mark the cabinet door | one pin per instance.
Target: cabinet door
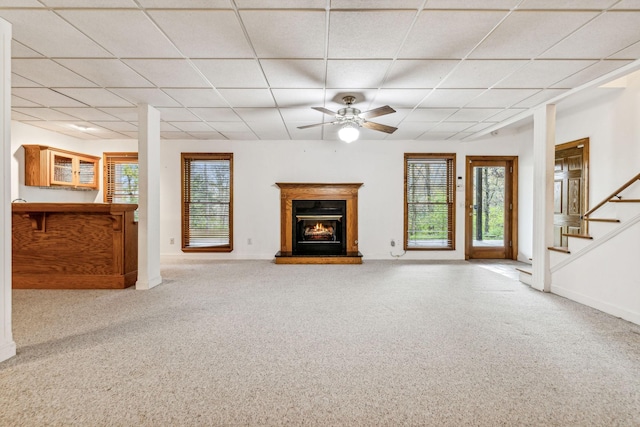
(62, 169)
(86, 172)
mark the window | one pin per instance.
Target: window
(121, 178)
(429, 195)
(207, 202)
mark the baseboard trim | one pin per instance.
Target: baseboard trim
(605, 307)
(7, 351)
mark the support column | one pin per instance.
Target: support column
(7, 345)
(544, 130)
(148, 197)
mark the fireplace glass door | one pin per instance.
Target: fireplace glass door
(318, 227)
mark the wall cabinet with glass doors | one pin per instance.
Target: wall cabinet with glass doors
(46, 167)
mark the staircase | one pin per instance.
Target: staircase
(599, 268)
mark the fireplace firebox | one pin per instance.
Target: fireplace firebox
(318, 227)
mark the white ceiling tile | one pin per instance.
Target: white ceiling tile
(501, 98)
(527, 34)
(86, 113)
(593, 72)
(185, 4)
(130, 135)
(95, 97)
(286, 34)
(473, 114)
(304, 134)
(248, 97)
(376, 4)
(450, 98)
(301, 73)
(216, 114)
(119, 126)
(240, 136)
(418, 73)
(632, 52)
(19, 81)
(48, 73)
(20, 3)
(232, 73)
(472, 4)
(262, 127)
(18, 50)
(429, 114)
(436, 136)
(192, 126)
(539, 98)
(452, 126)
(124, 33)
(45, 114)
(281, 4)
(60, 38)
(302, 116)
(171, 114)
(287, 98)
(197, 97)
(259, 115)
(224, 127)
(604, 36)
(441, 34)
(204, 33)
(566, 4)
(356, 74)
(208, 135)
(473, 74)
(16, 115)
(106, 134)
(479, 127)
(543, 73)
(334, 98)
(166, 127)
(175, 135)
(17, 101)
(628, 4)
(128, 114)
(45, 97)
(347, 35)
(106, 72)
(91, 3)
(151, 96)
(400, 98)
(174, 73)
(506, 114)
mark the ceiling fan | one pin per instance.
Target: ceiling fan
(351, 119)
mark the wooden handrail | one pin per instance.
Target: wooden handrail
(614, 194)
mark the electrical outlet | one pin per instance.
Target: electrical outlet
(393, 243)
(172, 241)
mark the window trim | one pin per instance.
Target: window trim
(183, 202)
(109, 158)
(451, 159)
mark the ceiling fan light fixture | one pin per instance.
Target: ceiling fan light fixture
(348, 132)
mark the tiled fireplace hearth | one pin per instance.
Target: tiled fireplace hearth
(318, 224)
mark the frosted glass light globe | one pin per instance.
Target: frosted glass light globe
(348, 133)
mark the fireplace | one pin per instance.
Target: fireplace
(318, 223)
(318, 227)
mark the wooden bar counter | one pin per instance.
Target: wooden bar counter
(74, 245)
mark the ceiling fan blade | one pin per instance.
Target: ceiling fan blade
(324, 110)
(314, 125)
(381, 111)
(379, 127)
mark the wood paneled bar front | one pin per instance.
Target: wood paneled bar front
(74, 245)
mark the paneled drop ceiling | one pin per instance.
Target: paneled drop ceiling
(251, 69)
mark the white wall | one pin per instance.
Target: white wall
(258, 165)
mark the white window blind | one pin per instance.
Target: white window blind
(121, 178)
(429, 201)
(207, 213)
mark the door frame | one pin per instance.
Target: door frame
(585, 173)
(511, 197)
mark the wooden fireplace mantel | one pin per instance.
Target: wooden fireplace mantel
(318, 191)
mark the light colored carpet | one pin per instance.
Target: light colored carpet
(384, 343)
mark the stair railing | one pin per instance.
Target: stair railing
(614, 194)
